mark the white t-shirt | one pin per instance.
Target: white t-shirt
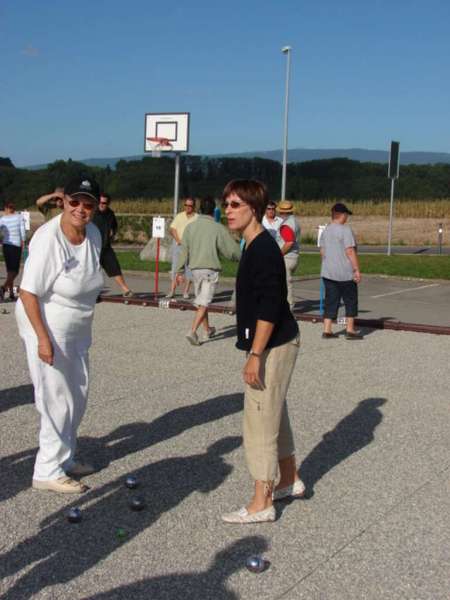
(272, 227)
(66, 278)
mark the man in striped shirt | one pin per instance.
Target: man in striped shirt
(12, 228)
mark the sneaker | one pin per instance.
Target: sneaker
(243, 516)
(79, 469)
(169, 295)
(186, 296)
(128, 294)
(192, 338)
(296, 490)
(353, 335)
(329, 336)
(63, 485)
(211, 332)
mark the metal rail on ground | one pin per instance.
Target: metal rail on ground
(161, 302)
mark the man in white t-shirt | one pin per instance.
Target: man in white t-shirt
(176, 230)
(271, 221)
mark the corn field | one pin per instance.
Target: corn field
(437, 209)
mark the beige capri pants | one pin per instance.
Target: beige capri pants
(267, 430)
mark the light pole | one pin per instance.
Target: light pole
(285, 50)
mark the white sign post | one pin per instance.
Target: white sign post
(158, 232)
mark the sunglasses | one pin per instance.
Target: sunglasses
(103, 202)
(189, 205)
(233, 204)
(86, 204)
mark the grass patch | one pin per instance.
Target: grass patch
(425, 267)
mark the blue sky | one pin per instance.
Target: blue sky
(80, 76)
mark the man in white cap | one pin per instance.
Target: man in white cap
(288, 237)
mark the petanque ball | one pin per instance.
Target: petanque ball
(137, 503)
(256, 564)
(74, 515)
(131, 482)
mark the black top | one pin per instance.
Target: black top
(107, 223)
(261, 293)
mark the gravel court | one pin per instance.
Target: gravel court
(371, 423)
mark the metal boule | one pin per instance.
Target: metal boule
(74, 515)
(256, 564)
(131, 482)
(137, 503)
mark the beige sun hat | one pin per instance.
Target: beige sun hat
(285, 207)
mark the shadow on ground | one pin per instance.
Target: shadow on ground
(194, 586)
(351, 434)
(16, 470)
(61, 551)
(17, 396)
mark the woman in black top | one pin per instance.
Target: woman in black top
(269, 334)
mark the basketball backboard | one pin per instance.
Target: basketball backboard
(173, 127)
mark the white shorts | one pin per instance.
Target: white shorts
(205, 281)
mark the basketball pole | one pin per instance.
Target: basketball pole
(176, 192)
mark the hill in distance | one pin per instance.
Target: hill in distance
(299, 155)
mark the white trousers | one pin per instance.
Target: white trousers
(60, 393)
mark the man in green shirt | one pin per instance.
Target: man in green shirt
(202, 243)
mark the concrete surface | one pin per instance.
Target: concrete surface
(371, 423)
(390, 298)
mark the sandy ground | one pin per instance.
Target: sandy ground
(371, 425)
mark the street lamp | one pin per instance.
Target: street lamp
(285, 50)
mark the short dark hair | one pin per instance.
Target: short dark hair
(252, 192)
(105, 195)
(207, 205)
(10, 206)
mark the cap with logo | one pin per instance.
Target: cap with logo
(82, 186)
(339, 207)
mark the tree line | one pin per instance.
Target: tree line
(153, 178)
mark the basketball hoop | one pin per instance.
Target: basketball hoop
(158, 145)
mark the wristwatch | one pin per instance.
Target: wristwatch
(253, 353)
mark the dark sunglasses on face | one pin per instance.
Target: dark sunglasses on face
(103, 203)
(189, 205)
(233, 204)
(86, 204)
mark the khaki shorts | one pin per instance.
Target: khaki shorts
(205, 281)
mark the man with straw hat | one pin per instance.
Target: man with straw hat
(288, 239)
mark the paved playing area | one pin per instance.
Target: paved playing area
(389, 298)
(371, 422)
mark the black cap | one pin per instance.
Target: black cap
(82, 185)
(341, 208)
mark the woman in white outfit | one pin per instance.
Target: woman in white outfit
(61, 281)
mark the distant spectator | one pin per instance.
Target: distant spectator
(202, 244)
(271, 222)
(106, 221)
(176, 230)
(52, 204)
(288, 240)
(12, 228)
(340, 272)
(217, 213)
